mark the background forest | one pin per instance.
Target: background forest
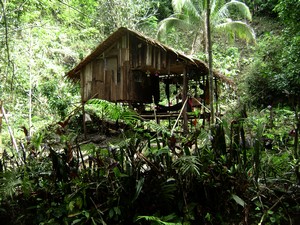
(247, 165)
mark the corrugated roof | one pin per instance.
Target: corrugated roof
(114, 37)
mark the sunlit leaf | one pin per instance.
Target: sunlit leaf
(238, 200)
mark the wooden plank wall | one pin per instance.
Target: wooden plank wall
(87, 82)
(145, 55)
(110, 75)
(98, 78)
(123, 68)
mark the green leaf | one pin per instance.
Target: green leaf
(139, 186)
(208, 217)
(76, 221)
(71, 205)
(238, 200)
(157, 220)
(273, 220)
(86, 214)
(117, 210)
(94, 222)
(111, 213)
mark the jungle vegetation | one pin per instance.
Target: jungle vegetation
(242, 169)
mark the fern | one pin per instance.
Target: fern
(157, 220)
(167, 191)
(112, 111)
(10, 184)
(158, 128)
(129, 116)
(188, 165)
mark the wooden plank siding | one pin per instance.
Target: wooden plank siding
(110, 76)
(87, 85)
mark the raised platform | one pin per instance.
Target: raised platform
(149, 115)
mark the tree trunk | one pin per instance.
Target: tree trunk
(1, 116)
(210, 62)
(205, 36)
(30, 89)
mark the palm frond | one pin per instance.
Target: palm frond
(167, 24)
(237, 29)
(215, 5)
(222, 13)
(158, 128)
(188, 165)
(178, 5)
(180, 22)
(189, 8)
(190, 16)
(241, 8)
(200, 5)
(167, 191)
(130, 116)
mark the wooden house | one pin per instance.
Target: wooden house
(130, 67)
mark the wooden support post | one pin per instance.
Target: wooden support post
(184, 99)
(204, 80)
(84, 122)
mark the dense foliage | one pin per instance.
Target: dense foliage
(142, 172)
(276, 63)
(120, 169)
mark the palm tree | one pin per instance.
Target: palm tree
(190, 17)
(201, 18)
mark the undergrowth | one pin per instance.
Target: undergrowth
(138, 173)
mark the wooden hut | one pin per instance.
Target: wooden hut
(129, 67)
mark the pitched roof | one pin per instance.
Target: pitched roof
(73, 74)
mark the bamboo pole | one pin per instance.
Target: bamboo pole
(218, 118)
(183, 106)
(184, 99)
